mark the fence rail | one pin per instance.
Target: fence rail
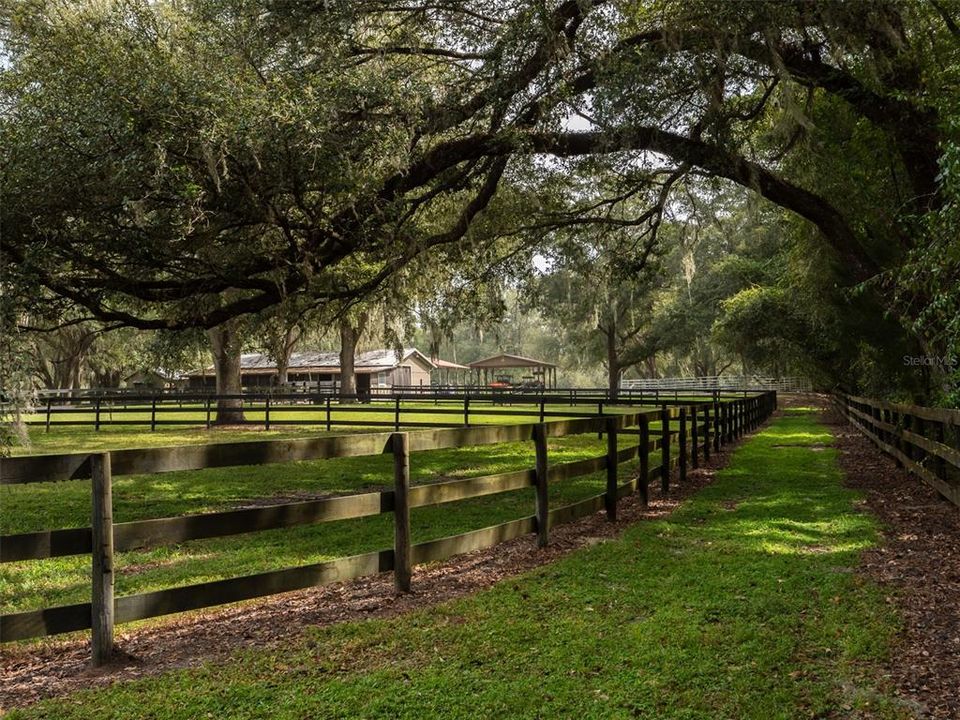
(925, 441)
(396, 411)
(722, 382)
(702, 427)
(665, 386)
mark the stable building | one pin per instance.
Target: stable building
(375, 369)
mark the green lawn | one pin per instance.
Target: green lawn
(742, 604)
(39, 506)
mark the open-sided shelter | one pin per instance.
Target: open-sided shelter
(499, 366)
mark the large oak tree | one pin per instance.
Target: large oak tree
(158, 157)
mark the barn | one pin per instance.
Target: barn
(375, 369)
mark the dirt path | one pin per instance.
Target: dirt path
(29, 673)
(918, 565)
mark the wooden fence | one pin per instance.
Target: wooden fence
(398, 409)
(701, 427)
(926, 441)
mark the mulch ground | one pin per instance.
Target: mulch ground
(918, 565)
(29, 673)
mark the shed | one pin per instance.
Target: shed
(445, 370)
(540, 371)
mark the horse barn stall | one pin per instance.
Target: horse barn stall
(496, 371)
(375, 369)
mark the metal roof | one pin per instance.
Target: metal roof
(505, 360)
(444, 364)
(315, 360)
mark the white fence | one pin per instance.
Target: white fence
(721, 382)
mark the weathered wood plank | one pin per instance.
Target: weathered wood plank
(45, 468)
(939, 449)
(45, 544)
(475, 540)
(453, 490)
(574, 511)
(664, 450)
(643, 450)
(541, 478)
(40, 623)
(102, 575)
(613, 462)
(143, 533)
(402, 565)
(220, 592)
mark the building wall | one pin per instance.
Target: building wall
(416, 373)
(413, 372)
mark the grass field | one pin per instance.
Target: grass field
(742, 604)
(39, 506)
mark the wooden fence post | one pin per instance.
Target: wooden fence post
(683, 444)
(941, 465)
(543, 495)
(600, 413)
(643, 484)
(720, 424)
(101, 607)
(266, 414)
(208, 413)
(694, 439)
(49, 408)
(542, 409)
(919, 428)
(466, 410)
(717, 426)
(610, 498)
(329, 423)
(153, 414)
(402, 554)
(897, 420)
(706, 432)
(664, 450)
(96, 422)
(396, 413)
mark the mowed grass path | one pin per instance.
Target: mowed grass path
(741, 604)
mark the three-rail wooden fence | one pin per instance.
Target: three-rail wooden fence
(925, 441)
(700, 428)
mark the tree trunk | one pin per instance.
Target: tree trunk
(348, 350)
(283, 369)
(651, 366)
(226, 344)
(74, 373)
(285, 350)
(613, 360)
